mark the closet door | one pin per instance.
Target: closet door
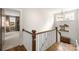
(0, 29)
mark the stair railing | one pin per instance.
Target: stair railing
(34, 37)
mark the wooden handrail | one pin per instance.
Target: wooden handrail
(33, 33)
(38, 32)
(26, 31)
(45, 31)
(57, 31)
(56, 34)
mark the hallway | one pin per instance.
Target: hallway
(11, 40)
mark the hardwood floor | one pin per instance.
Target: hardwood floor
(62, 47)
(18, 48)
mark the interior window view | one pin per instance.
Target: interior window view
(39, 29)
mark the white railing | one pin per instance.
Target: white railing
(27, 40)
(45, 40)
(40, 41)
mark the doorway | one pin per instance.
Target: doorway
(11, 28)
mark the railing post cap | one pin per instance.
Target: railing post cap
(33, 30)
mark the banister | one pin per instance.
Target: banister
(44, 31)
(57, 31)
(33, 33)
(26, 31)
(38, 32)
(56, 34)
(33, 38)
(59, 34)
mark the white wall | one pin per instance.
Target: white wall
(43, 19)
(73, 28)
(72, 34)
(12, 12)
(77, 17)
(38, 19)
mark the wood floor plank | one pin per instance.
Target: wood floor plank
(62, 47)
(18, 48)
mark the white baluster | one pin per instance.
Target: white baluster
(58, 37)
(37, 42)
(77, 45)
(46, 39)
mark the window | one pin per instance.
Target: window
(70, 16)
(66, 16)
(59, 17)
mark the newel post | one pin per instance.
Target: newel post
(33, 40)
